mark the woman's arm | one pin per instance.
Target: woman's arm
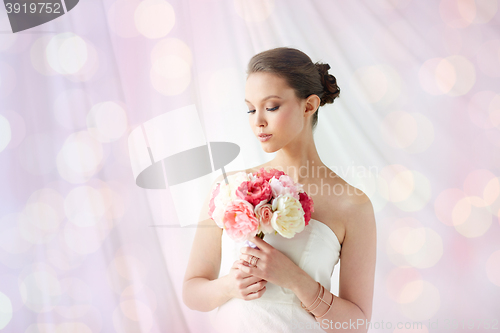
(352, 309)
(202, 290)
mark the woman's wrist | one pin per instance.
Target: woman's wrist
(305, 288)
(226, 287)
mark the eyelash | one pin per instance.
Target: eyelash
(270, 109)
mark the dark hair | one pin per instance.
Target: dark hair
(301, 74)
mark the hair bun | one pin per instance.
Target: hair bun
(330, 88)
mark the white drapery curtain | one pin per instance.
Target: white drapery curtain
(416, 126)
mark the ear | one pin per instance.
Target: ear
(312, 104)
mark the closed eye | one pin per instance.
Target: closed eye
(268, 109)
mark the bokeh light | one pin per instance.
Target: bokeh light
(453, 75)
(426, 304)
(84, 206)
(5, 133)
(11, 239)
(462, 13)
(407, 189)
(17, 128)
(74, 327)
(254, 10)
(412, 132)
(488, 59)
(5, 310)
(39, 287)
(493, 268)
(392, 4)
(471, 217)
(171, 61)
(79, 158)
(132, 315)
(445, 203)
(66, 53)
(437, 76)
(141, 292)
(377, 84)
(397, 279)
(38, 223)
(484, 109)
(484, 184)
(107, 121)
(121, 17)
(154, 18)
(411, 244)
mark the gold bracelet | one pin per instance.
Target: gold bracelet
(322, 293)
(315, 299)
(329, 307)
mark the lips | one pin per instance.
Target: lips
(264, 135)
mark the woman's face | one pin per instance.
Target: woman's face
(273, 109)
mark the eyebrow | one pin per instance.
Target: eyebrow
(266, 98)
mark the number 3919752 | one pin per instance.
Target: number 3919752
(33, 8)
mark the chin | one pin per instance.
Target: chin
(269, 150)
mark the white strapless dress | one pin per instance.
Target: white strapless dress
(316, 250)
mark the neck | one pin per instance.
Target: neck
(298, 159)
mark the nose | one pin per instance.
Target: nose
(260, 118)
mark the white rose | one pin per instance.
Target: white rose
(288, 217)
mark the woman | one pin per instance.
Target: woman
(284, 285)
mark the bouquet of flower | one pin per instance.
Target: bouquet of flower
(260, 203)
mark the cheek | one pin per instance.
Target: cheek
(288, 123)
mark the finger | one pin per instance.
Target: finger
(256, 295)
(250, 279)
(236, 264)
(250, 251)
(255, 287)
(245, 268)
(247, 258)
(261, 244)
(255, 271)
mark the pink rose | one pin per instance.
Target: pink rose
(264, 214)
(239, 220)
(254, 191)
(211, 205)
(268, 174)
(307, 205)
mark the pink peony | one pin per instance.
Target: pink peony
(268, 174)
(285, 185)
(211, 205)
(255, 191)
(307, 205)
(239, 220)
(264, 214)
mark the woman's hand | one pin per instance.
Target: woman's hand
(272, 266)
(243, 285)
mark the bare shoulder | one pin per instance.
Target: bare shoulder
(357, 211)
(353, 205)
